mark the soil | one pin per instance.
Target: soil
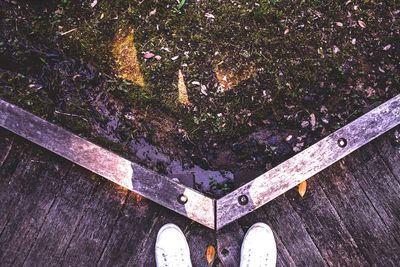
(220, 89)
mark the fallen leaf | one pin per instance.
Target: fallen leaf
(148, 55)
(336, 49)
(153, 12)
(286, 31)
(361, 24)
(158, 57)
(210, 254)
(339, 24)
(203, 89)
(305, 124)
(302, 187)
(386, 48)
(313, 121)
(94, 3)
(209, 16)
(175, 58)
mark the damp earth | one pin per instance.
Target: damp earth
(212, 93)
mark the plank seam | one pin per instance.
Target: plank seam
(387, 165)
(375, 209)
(205, 210)
(47, 214)
(342, 224)
(113, 227)
(62, 258)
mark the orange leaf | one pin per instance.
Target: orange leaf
(302, 187)
(210, 254)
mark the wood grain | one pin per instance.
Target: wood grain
(132, 176)
(309, 162)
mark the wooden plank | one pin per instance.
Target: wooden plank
(309, 162)
(6, 142)
(132, 176)
(379, 184)
(325, 227)
(62, 220)
(389, 153)
(131, 233)
(9, 170)
(371, 235)
(35, 197)
(229, 243)
(95, 226)
(290, 230)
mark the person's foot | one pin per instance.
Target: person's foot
(258, 247)
(172, 249)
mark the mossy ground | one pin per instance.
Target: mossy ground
(283, 61)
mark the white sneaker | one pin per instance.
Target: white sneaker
(258, 247)
(172, 249)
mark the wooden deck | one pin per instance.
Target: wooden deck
(54, 213)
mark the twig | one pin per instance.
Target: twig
(64, 33)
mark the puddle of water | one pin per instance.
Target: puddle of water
(209, 181)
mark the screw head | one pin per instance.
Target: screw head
(182, 199)
(342, 142)
(243, 200)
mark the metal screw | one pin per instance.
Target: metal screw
(342, 142)
(243, 200)
(182, 199)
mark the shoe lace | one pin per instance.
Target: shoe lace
(174, 258)
(260, 259)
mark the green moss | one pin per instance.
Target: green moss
(290, 43)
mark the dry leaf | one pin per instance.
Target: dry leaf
(302, 187)
(93, 4)
(148, 55)
(361, 24)
(286, 31)
(386, 48)
(153, 12)
(210, 254)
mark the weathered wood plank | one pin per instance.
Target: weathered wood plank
(199, 238)
(96, 225)
(364, 224)
(6, 142)
(389, 153)
(283, 259)
(325, 227)
(309, 162)
(9, 170)
(131, 233)
(132, 176)
(35, 197)
(229, 243)
(289, 229)
(62, 219)
(379, 184)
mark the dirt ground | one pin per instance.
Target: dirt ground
(216, 88)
